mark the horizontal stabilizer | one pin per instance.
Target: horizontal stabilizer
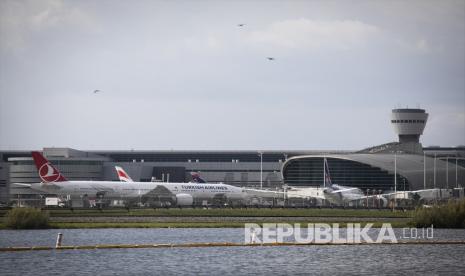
(22, 184)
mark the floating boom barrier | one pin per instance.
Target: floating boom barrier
(221, 244)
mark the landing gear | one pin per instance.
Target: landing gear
(99, 199)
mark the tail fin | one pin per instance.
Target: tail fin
(196, 177)
(122, 175)
(327, 175)
(47, 172)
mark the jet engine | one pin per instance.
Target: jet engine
(184, 200)
(383, 201)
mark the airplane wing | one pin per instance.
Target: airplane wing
(306, 193)
(160, 190)
(263, 193)
(371, 196)
(344, 190)
(296, 195)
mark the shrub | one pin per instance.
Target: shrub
(26, 218)
(450, 215)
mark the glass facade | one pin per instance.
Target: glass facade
(195, 157)
(309, 172)
(408, 121)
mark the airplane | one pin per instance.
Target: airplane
(183, 194)
(334, 193)
(251, 193)
(304, 192)
(341, 195)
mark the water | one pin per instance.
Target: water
(119, 236)
(334, 259)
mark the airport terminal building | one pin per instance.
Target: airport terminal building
(404, 164)
(238, 168)
(376, 171)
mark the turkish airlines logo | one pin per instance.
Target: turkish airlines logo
(48, 174)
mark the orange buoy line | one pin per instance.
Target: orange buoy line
(224, 244)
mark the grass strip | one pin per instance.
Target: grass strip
(237, 212)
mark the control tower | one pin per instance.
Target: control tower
(409, 124)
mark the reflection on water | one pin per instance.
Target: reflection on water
(343, 259)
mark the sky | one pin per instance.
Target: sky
(183, 75)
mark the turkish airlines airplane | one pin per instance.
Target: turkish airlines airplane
(184, 193)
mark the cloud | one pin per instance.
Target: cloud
(423, 46)
(445, 125)
(310, 34)
(420, 46)
(56, 13)
(19, 20)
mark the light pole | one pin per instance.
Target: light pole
(434, 172)
(456, 182)
(424, 170)
(447, 172)
(261, 169)
(404, 187)
(395, 180)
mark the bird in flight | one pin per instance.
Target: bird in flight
(240, 25)
(96, 91)
(270, 58)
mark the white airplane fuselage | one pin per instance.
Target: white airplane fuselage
(113, 189)
(337, 194)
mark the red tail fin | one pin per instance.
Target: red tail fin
(122, 175)
(47, 172)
